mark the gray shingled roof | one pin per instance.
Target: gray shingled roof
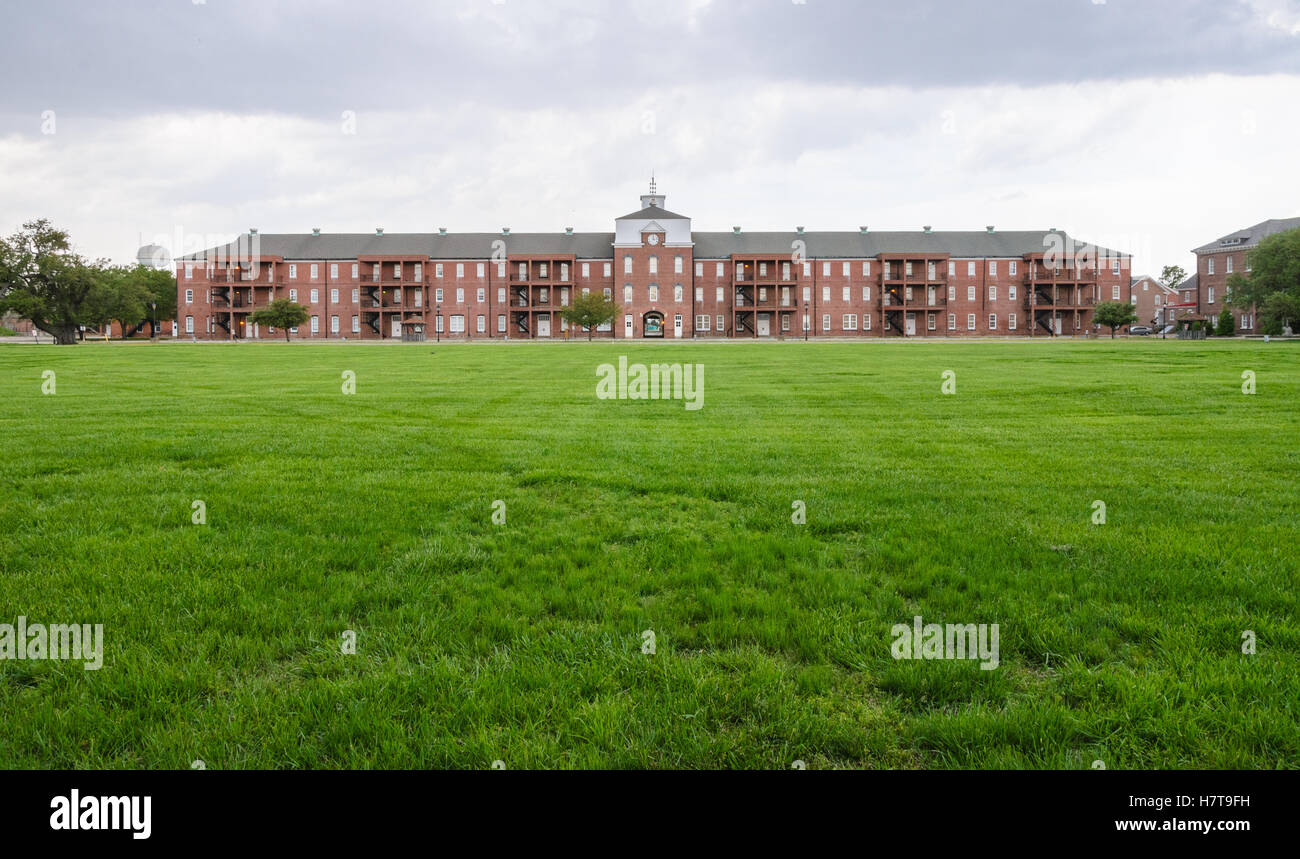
(652, 212)
(1191, 283)
(477, 246)
(824, 245)
(1250, 236)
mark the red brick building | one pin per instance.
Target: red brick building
(1153, 301)
(1220, 259)
(669, 280)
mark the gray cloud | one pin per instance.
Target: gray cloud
(317, 58)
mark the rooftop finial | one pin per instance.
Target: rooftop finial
(652, 182)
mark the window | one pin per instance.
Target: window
(460, 269)
(826, 293)
(356, 296)
(437, 296)
(419, 296)
(826, 320)
(930, 272)
(334, 271)
(993, 322)
(293, 271)
(677, 292)
(866, 268)
(315, 271)
(457, 324)
(460, 295)
(315, 325)
(1114, 266)
(993, 293)
(1011, 322)
(952, 293)
(293, 295)
(866, 293)
(844, 294)
(586, 270)
(1114, 292)
(627, 264)
(907, 269)
(699, 293)
(699, 269)
(419, 271)
(541, 270)
(1227, 268)
(356, 271)
(609, 269)
(678, 262)
(970, 321)
(437, 324)
(1011, 292)
(501, 295)
(866, 322)
(993, 268)
(719, 297)
(970, 293)
(722, 324)
(702, 323)
(480, 295)
(627, 293)
(952, 268)
(189, 296)
(397, 271)
(334, 325)
(970, 268)
(501, 324)
(1248, 263)
(654, 264)
(850, 322)
(482, 270)
(654, 292)
(334, 296)
(1209, 295)
(437, 270)
(189, 272)
(189, 324)
(845, 269)
(480, 324)
(356, 324)
(1011, 267)
(807, 294)
(807, 269)
(952, 322)
(609, 293)
(785, 322)
(933, 319)
(785, 271)
(826, 271)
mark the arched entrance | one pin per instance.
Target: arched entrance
(653, 324)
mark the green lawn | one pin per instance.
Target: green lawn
(522, 642)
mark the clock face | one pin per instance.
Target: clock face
(654, 240)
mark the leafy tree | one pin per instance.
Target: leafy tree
(1274, 268)
(1278, 310)
(128, 298)
(156, 291)
(1114, 314)
(43, 280)
(1226, 325)
(282, 313)
(1173, 275)
(590, 311)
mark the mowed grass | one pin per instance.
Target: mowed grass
(522, 642)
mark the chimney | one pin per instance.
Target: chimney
(568, 231)
(735, 231)
(442, 231)
(989, 228)
(379, 231)
(315, 231)
(505, 231)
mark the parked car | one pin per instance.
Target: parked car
(1140, 330)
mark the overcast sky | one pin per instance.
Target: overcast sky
(1151, 126)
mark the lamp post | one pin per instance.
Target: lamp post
(153, 320)
(805, 322)
(437, 323)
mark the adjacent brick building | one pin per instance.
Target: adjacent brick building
(1223, 257)
(1153, 301)
(669, 280)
